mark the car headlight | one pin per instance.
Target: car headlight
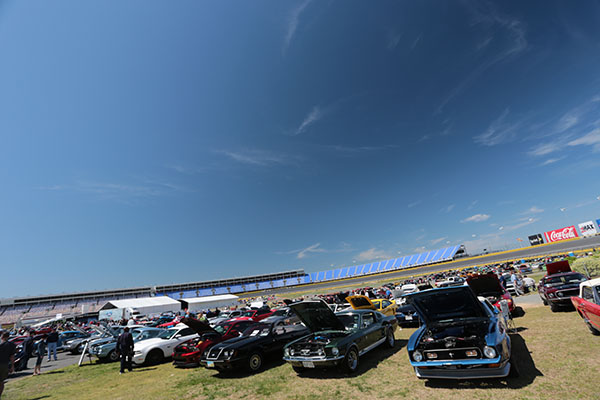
(550, 294)
(559, 294)
(489, 352)
(228, 353)
(137, 353)
(292, 352)
(286, 352)
(417, 356)
(335, 351)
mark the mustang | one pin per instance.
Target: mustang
(249, 350)
(587, 304)
(489, 286)
(463, 336)
(384, 306)
(337, 339)
(559, 284)
(188, 353)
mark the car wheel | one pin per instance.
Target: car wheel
(390, 340)
(255, 362)
(298, 370)
(592, 329)
(544, 301)
(553, 307)
(351, 360)
(80, 348)
(154, 357)
(112, 356)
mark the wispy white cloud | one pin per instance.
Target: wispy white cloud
(477, 218)
(315, 248)
(438, 240)
(473, 204)
(393, 38)
(590, 139)
(414, 203)
(259, 157)
(500, 131)
(416, 42)
(292, 24)
(551, 161)
(544, 149)
(313, 116)
(533, 210)
(448, 208)
(373, 254)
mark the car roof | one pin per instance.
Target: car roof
(591, 282)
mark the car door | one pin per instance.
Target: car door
(370, 331)
(589, 307)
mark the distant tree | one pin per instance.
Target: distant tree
(587, 265)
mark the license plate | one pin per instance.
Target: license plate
(409, 317)
(308, 364)
(210, 364)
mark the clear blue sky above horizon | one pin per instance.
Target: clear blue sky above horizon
(148, 142)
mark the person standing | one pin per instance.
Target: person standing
(7, 358)
(125, 348)
(26, 351)
(52, 342)
(41, 350)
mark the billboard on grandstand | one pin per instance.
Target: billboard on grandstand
(587, 228)
(557, 235)
(536, 239)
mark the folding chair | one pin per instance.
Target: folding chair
(510, 323)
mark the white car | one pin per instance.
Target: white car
(153, 351)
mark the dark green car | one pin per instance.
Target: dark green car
(337, 339)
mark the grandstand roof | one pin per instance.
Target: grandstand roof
(209, 299)
(139, 303)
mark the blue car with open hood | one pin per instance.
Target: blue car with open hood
(462, 336)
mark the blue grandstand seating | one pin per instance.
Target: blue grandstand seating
(328, 275)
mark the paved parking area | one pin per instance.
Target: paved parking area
(64, 360)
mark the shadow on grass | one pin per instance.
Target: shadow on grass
(40, 397)
(143, 369)
(521, 357)
(268, 363)
(366, 362)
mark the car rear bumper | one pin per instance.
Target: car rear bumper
(456, 372)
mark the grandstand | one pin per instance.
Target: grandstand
(15, 309)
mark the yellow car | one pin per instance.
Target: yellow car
(384, 306)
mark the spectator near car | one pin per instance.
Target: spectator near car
(7, 358)
(52, 344)
(125, 348)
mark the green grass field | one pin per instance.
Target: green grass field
(556, 355)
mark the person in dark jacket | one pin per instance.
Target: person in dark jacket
(40, 349)
(52, 342)
(125, 349)
(25, 353)
(7, 358)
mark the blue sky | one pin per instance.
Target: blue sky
(149, 142)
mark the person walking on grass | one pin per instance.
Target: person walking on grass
(125, 349)
(7, 358)
(52, 342)
(41, 350)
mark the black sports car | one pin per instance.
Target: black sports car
(407, 316)
(250, 350)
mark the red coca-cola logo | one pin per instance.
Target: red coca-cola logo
(561, 234)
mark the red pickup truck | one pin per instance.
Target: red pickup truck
(587, 304)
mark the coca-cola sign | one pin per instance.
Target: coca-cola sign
(561, 234)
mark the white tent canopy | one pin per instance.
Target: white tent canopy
(195, 304)
(145, 305)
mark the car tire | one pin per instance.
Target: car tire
(351, 360)
(390, 340)
(154, 357)
(298, 370)
(594, 331)
(553, 307)
(112, 356)
(544, 301)
(255, 362)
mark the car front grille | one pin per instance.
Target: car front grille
(567, 293)
(451, 354)
(308, 350)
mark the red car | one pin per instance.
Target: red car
(188, 354)
(489, 286)
(258, 315)
(559, 284)
(587, 304)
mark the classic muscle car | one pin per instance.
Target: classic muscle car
(153, 351)
(188, 354)
(559, 284)
(249, 350)
(587, 304)
(337, 339)
(463, 336)
(407, 316)
(258, 314)
(384, 306)
(489, 286)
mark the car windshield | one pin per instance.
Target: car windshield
(376, 303)
(565, 279)
(168, 334)
(222, 328)
(147, 334)
(350, 321)
(248, 314)
(257, 330)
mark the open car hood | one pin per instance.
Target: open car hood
(317, 316)
(198, 326)
(447, 305)
(557, 267)
(485, 285)
(360, 302)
